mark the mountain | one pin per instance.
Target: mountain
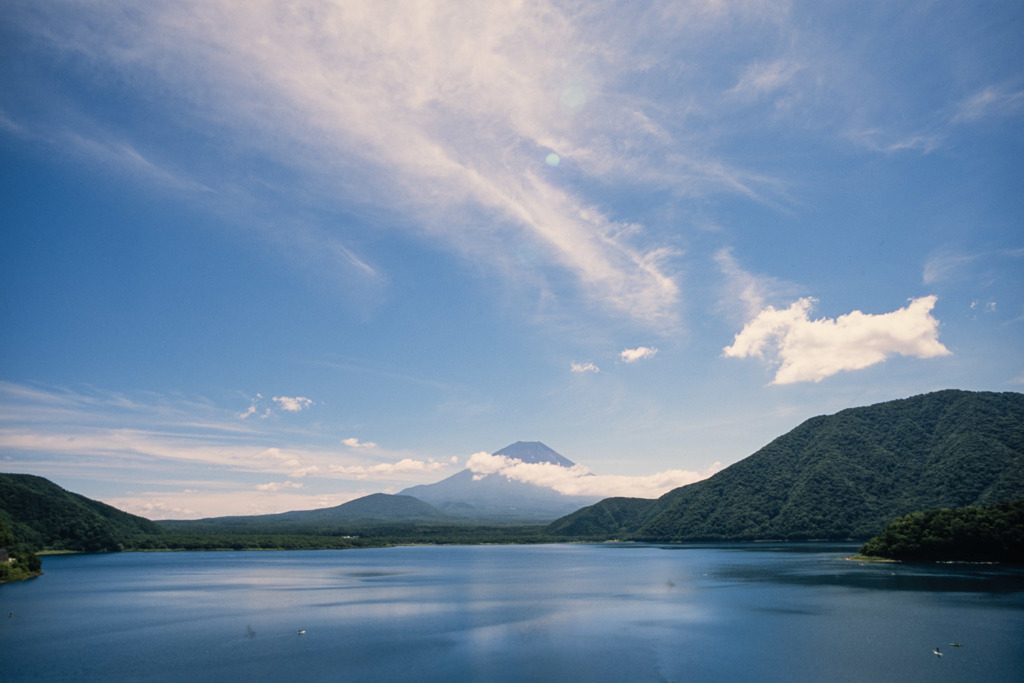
(840, 476)
(43, 515)
(373, 510)
(495, 498)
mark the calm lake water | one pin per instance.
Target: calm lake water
(613, 612)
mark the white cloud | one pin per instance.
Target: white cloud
(583, 367)
(300, 472)
(639, 353)
(216, 501)
(578, 481)
(811, 350)
(353, 442)
(278, 485)
(293, 404)
(387, 469)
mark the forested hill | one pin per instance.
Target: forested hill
(43, 515)
(840, 476)
(976, 534)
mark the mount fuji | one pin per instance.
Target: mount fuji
(493, 497)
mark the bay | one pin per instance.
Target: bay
(574, 612)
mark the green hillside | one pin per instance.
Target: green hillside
(987, 534)
(840, 476)
(44, 516)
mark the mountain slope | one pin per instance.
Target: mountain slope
(44, 515)
(495, 498)
(841, 476)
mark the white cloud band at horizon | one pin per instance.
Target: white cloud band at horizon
(811, 350)
(231, 466)
(578, 481)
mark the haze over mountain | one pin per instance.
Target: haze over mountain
(845, 475)
(374, 509)
(463, 498)
(494, 497)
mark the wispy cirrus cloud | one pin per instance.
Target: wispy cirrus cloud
(98, 435)
(415, 98)
(811, 350)
(991, 101)
(762, 78)
(411, 102)
(945, 264)
(751, 291)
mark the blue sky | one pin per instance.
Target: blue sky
(260, 258)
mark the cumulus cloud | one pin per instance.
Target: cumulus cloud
(584, 367)
(293, 404)
(639, 353)
(578, 480)
(811, 350)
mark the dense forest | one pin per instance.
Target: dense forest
(974, 534)
(843, 476)
(350, 536)
(42, 515)
(21, 563)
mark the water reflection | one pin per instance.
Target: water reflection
(611, 612)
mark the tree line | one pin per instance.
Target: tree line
(972, 534)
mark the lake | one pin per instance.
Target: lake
(574, 612)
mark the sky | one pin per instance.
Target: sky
(260, 256)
